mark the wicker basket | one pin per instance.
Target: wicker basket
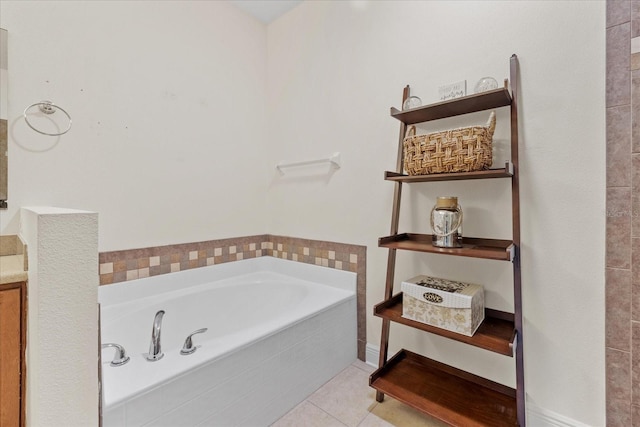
(459, 150)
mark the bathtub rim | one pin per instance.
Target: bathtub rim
(120, 292)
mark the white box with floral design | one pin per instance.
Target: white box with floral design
(446, 304)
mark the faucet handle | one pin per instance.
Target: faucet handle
(188, 346)
(120, 358)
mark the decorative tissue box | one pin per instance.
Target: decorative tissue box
(455, 306)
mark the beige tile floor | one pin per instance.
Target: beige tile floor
(347, 400)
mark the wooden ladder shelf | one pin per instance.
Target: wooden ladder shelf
(444, 392)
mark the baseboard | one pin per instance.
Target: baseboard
(372, 354)
(536, 416)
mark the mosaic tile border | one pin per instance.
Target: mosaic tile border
(131, 264)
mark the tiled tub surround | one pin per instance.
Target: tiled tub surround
(623, 214)
(277, 330)
(131, 264)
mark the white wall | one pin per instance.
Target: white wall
(62, 332)
(334, 70)
(167, 101)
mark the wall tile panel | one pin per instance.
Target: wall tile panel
(618, 313)
(619, 375)
(618, 413)
(635, 364)
(619, 146)
(618, 60)
(635, 196)
(623, 214)
(618, 12)
(618, 238)
(635, 106)
(635, 416)
(635, 18)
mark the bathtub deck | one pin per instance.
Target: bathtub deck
(347, 400)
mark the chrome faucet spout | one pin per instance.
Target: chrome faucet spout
(155, 347)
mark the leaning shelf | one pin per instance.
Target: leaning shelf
(469, 104)
(496, 333)
(449, 394)
(452, 395)
(501, 250)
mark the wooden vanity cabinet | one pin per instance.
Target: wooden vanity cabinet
(12, 354)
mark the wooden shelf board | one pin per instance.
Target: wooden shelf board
(496, 333)
(449, 394)
(469, 104)
(456, 176)
(472, 247)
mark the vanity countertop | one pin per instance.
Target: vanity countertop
(12, 269)
(13, 259)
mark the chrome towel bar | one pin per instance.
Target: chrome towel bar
(334, 160)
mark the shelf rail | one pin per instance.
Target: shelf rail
(333, 160)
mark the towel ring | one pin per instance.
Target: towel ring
(47, 107)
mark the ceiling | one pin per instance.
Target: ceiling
(266, 10)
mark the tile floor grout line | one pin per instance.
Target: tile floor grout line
(332, 416)
(360, 424)
(369, 410)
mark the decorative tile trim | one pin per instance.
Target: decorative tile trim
(120, 266)
(131, 264)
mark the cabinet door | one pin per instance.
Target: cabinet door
(10, 356)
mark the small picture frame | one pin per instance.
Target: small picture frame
(453, 90)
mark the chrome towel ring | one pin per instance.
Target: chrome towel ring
(47, 107)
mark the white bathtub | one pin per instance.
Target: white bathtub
(277, 330)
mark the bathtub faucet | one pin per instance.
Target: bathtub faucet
(120, 358)
(155, 349)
